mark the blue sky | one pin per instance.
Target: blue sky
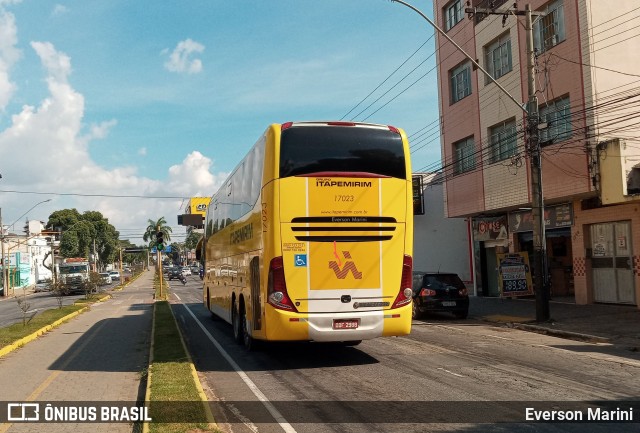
(121, 97)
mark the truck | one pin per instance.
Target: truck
(74, 273)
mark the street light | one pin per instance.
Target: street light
(32, 208)
(5, 267)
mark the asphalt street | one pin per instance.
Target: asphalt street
(448, 375)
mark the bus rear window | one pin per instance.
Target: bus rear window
(306, 150)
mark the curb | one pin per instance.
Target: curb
(147, 393)
(194, 374)
(571, 335)
(24, 340)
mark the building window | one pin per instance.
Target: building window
(452, 14)
(503, 141)
(548, 31)
(498, 57)
(463, 156)
(460, 82)
(557, 116)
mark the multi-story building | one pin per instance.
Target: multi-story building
(587, 80)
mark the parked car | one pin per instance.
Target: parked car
(115, 275)
(105, 278)
(436, 291)
(174, 273)
(185, 271)
(195, 270)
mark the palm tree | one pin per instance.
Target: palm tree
(155, 227)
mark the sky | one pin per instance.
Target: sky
(131, 107)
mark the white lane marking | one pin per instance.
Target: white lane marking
(252, 386)
(177, 297)
(450, 372)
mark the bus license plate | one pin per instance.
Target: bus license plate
(448, 303)
(345, 324)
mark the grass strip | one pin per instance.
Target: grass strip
(11, 334)
(171, 378)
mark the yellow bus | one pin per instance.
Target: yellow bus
(311, 236)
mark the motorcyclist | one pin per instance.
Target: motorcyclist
(182, 279)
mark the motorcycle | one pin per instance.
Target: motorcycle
(182, 279)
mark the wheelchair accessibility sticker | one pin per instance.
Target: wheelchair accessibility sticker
(300, 260)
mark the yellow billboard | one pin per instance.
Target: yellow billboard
(197, 205)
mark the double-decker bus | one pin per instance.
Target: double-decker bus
(311, 236)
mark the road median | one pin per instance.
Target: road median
(174, 392)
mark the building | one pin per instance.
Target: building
(588, 94)
(29, 256)
(440, 244)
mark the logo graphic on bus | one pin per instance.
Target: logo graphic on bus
(349, 266)
(300, 260)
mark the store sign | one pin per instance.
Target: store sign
(418, 195)
(486, 229)
(514, 277)
(555, 217)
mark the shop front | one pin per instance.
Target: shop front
(490, 238)
(558, 221)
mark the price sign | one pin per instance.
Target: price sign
(514, 276)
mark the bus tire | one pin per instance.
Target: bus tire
(236, 323)
(247, 340)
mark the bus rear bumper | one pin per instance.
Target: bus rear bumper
(339, 326)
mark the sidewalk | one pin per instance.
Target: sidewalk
(605, 323)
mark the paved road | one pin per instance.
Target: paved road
(447, 370)
(97, 356)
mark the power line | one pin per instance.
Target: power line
(157, 197)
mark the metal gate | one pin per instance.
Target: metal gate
(612, 263)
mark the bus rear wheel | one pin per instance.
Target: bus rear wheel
(247, 340)
(236, 323)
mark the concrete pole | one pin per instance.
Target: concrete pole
(537, 198)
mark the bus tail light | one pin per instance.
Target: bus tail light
(277, 287)
(405, 294)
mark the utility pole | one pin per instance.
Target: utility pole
(159, 259)
(540, 274)
(541, 285)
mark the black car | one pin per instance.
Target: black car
(174, 273)
(436, 291)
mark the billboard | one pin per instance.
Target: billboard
(197, 205)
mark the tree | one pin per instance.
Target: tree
(155, 227)
(85, 233)
(191, 242)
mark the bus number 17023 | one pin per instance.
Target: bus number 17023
(341, 197)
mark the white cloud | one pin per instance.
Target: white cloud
(48, 149)
(142, 151)
(193, 176)
(59, 9)
(9, 55)
(180, 59)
